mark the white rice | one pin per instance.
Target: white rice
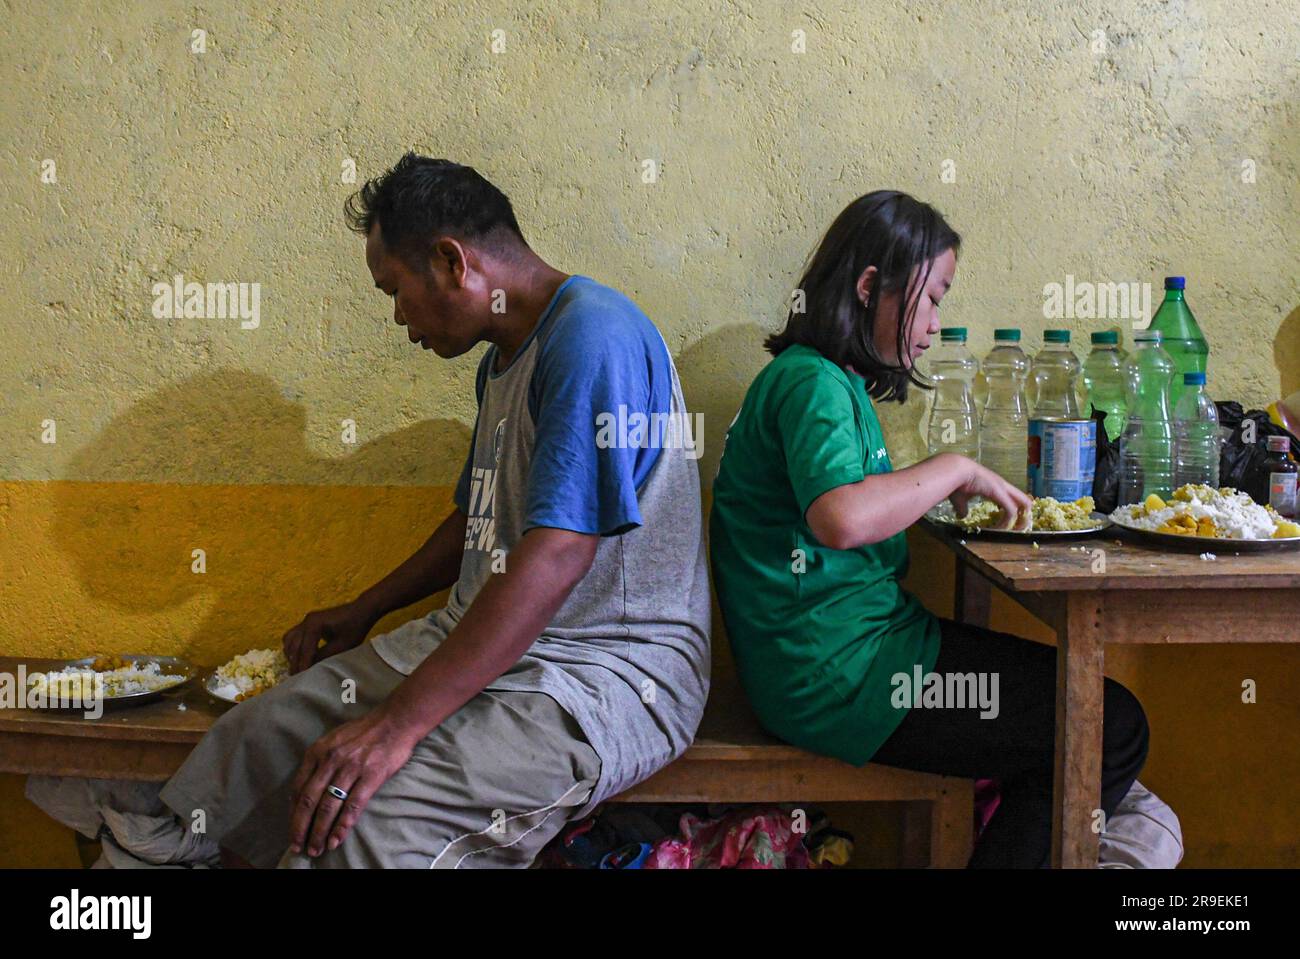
(79, 681)
(1235, 514)
(247, 671)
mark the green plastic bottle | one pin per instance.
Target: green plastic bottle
(1103, 374)
(1180, 335)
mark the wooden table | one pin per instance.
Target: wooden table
(146, 742)
(1118, 589)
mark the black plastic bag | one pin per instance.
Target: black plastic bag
(1241, 464)
(1105, 481)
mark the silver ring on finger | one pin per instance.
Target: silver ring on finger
(340, 794)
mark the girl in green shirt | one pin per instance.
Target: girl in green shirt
(808, 548)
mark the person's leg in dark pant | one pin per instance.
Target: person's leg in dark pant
(1017, 746)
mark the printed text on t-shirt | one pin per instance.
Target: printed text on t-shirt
(480, 530)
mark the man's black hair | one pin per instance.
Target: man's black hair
(421, 199)
(896, 234)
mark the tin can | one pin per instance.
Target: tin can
(1062, 457)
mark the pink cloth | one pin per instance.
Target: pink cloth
(756, 837)
(987, 798)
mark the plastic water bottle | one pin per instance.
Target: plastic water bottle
(953, 427)
(1182, 337)
(1103, 375)
(1146, 461)
(1054, 378)
(1196, 435)
(1004, 422)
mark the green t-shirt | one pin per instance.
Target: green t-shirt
(817, 633)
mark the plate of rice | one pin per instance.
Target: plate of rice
(247, 675)
(1049, 517)
(1204, 517)
(120, 679)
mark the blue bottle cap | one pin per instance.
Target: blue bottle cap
(1193, 379)
(1175, 282)
(1109, 337)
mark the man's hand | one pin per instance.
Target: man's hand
(357, 757)
(342, 627)
(430, 568)
(505, 618)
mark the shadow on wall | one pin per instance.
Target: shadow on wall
(716, 372)
(1286, 354)
(281, 523)
(231, 426)
(218, 438)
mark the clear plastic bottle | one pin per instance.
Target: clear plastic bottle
(1182, 336)
(1004, 422)
(1146, 463)
(953, 427)
(1196, 435)
(1103, 375)
(1054, 378)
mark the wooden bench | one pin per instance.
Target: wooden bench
(732, 760)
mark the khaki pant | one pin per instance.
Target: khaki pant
(487, 788)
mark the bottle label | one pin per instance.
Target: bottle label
(1282, 493)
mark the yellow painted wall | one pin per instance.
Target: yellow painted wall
(225, 166)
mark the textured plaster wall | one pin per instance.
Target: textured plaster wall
(225, 166)
(1110, 164)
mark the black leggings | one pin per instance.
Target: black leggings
(1017, 746)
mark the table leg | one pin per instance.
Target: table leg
(1080, 662)
(972, 596)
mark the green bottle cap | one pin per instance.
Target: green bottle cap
(953, 333)
(1008, 333)
(1056, 336)
(1106, 337)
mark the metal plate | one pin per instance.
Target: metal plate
(945, 516)
(211, 685)
(1209, 544)
(171, 666)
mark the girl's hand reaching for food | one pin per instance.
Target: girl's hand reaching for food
(1016, 505)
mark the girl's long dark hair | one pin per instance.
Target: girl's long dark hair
(896, 234)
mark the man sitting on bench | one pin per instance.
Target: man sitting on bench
(571, 660)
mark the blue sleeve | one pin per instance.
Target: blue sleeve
(597, 369)
(461, 496)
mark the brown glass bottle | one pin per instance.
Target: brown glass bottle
(1282, 475)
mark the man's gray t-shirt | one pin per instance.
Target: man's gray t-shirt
(586, 430)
